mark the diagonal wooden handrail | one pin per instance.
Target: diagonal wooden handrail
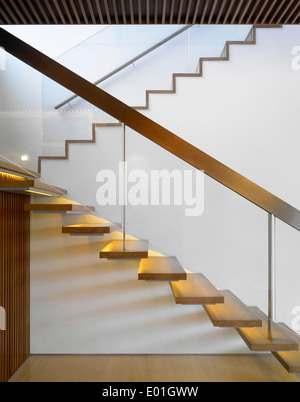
(151, 130)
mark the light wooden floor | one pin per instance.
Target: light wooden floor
(152, 368)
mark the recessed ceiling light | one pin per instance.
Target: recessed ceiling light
(24, 158)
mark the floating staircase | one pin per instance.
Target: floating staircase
(222, 307)
(161, 269)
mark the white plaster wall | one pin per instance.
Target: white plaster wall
(21, 100)
(237, 113)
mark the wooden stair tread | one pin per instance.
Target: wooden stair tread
(232, 314)
(135, 249)
(91, 228)
(56, 208)
(161, 269)
(196, 290)
(10, 168)
(257, 338)
(289, 360)
(31, 186)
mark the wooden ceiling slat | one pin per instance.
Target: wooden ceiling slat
(172, 11)
(277, 11)
(188, 12)
(148, 11)
(21, 3)
(254, 8)
(42, 10)
(296, 18)
(18, 11)
(203, 16)
(73, 6)
(54, 19)
(262, 9)
(116, 12)
(99, 11)
(67, 10)
(91, 11)
(5, 16)
(32, 8)
(285, 10)
(8, 10)
(244, 12)
(107, 12)
(270, 9)
(222, 6)
(230, 7)
(83, 11)
(294, 9)
(212, 12)
(237, 10)
(195, 15)
(179, 15)
(61, 15)
(164, 10)
(155, 11)
(131, 11)
(139, 5)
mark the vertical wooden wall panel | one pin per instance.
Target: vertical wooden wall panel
(14, 282)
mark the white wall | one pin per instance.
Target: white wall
(237, 113)
(21, 88)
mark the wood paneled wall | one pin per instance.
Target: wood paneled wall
(14, 282)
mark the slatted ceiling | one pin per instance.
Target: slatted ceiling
(292, 12)
(42, 10)
(244, 7)
(237, 9)
(67, 11)
(260, 12)
(18, 12)
(297, 17)
(188, 12)
(285, 11)
(149, 12)
(196, 10)
(269, 10)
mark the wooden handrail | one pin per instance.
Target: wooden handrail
(151, 130)
(129, 63)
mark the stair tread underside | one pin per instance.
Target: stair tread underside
(91, 228)
(196, 290)
(232, 314)
(161, 269)
(135, 249)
